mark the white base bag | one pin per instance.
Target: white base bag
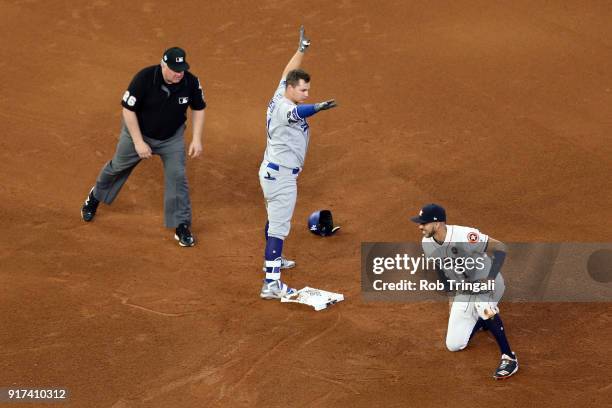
(317, 298)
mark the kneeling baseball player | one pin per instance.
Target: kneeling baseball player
(475, 309)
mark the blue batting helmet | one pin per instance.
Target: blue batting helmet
(321, 223)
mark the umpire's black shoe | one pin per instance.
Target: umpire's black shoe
(507, 367)
(90, 206)
(183, 236)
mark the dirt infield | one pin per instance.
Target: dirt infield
(499, 112)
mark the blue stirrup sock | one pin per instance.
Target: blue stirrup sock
(274, 250)
(496, 327)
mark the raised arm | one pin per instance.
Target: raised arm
(296, 60)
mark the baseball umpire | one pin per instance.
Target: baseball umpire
(154, 116)
(477, 261)
(287, 142)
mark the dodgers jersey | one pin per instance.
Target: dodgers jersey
(288, 133)
(461, 242)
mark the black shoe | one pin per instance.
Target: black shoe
(183, 236)
(90, 206)
(507, 367)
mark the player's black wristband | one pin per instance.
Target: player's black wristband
(498, 260)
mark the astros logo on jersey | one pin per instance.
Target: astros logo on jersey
(472, 237)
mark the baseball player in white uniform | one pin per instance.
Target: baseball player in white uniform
(473, 273)
(288, 136)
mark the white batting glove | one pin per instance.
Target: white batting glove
(325, 105)
(304, 41)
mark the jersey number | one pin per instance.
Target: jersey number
(129, 99)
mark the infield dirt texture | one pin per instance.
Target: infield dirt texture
(500, 112)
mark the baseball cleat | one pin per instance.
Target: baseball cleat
(277, 290)
(90, 206)
(285, 264)
(507, 367)
(183, 236)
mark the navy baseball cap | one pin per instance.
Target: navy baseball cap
(430, 213)
(176, 59)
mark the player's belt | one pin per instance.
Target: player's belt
(276, 167)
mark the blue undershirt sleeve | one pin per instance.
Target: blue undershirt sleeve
(305, 111)
(498, 261)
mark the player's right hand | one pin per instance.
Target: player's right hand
(325, 105)
(304, 41)
(143, 150)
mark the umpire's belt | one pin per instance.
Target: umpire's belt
(282, 169)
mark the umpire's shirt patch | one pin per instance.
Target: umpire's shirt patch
(161, 108)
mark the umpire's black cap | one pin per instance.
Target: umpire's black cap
(176, 59)
(430, 213)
